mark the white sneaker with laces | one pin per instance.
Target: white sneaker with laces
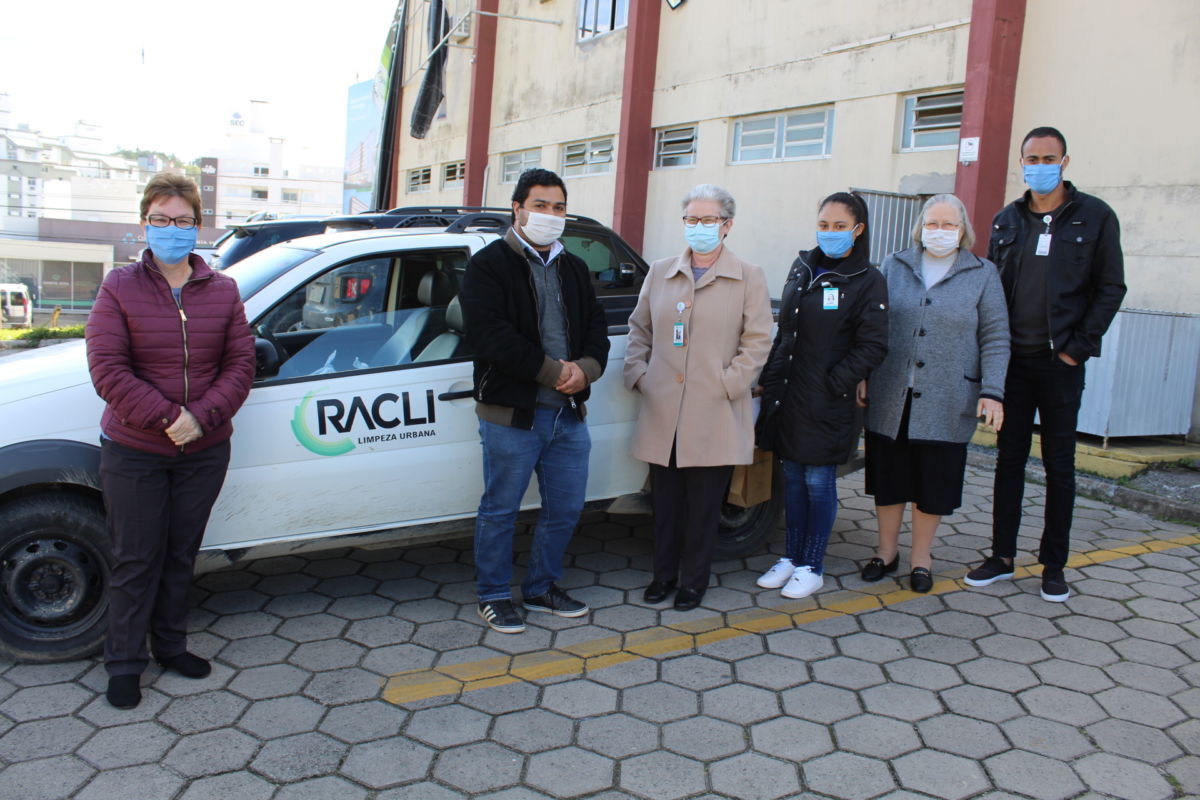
(802, 583)
(777, 575)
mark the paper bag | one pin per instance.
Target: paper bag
(751, 483)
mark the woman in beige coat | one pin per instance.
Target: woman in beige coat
(698, 338)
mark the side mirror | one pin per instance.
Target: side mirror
(266, 359)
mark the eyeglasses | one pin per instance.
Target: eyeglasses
(946, 226)
(692, 222)
(162, 221)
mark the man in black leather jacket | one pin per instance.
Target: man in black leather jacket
(1059, 255)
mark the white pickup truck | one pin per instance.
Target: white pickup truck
(360, 427)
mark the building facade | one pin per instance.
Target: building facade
(785, 101)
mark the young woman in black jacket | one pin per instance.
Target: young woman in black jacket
(832, 333)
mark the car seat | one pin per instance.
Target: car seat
(449, 343)
(433, 292)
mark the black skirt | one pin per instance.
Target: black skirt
(928, 474)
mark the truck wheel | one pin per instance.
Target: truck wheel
(55, 561)
(745, 530)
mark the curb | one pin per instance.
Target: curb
(1096, 489)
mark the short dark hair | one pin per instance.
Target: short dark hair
(1045, 132)
(858, 210)
(169, 184)
(536, 176)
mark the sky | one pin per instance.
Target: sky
(167, 76)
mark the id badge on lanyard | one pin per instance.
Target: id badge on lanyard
(1043, 242)
(829, 298)
(677, 328)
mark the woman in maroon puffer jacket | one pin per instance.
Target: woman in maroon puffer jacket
(172, 356)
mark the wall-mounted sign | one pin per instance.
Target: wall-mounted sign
(968, 149)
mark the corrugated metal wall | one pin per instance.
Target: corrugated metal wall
(1143, 384)
(892, 217)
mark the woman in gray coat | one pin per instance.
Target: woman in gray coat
(948, 348)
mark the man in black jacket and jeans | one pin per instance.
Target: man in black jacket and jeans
(540, 340)
(1059, 255)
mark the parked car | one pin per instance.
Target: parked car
(16, 307)
(359, 430)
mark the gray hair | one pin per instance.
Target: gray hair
(707, 191)
(968, 232)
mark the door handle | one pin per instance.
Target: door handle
(460, 395)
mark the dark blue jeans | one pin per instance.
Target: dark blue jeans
(1051, 388)
(556, 449)
(811, 503)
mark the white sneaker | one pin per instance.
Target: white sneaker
(777, 575)
(802, 583)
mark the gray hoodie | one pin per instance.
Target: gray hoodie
(952, 338)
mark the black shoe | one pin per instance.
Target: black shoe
(187, 665)
(1054, 585)
(687, 599)
(658, 591)
(557, 602)
(124, 691)
(920, 580)
(875, 569)
(501, 615)
(993, 569)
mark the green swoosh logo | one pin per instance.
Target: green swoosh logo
(305, 437)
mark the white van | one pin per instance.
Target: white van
(16, 310)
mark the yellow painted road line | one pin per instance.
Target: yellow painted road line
(681, 637)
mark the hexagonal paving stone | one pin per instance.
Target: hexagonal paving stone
(847, 776)
(211, 753)
(127, 745)
(478, 767)
(900, 701)
(849, 673)
(894, 623)
(663, 776)
(820, 703)
(324, 788)
(399, 658)
(569, 772)
(1034, 775)
(422, 790)
(43, 738)
(502, 699)
(380, 631)
(273, 680)
(1138, 706)
(940, 774)
(923, 674)
(344, 686)
(1081, 650)
(1134, 741)
(963, 736)
(628, 674)
(143, 781)
(580, 698)
(1062, 705)
(659, 702)
(292, 758)
(283, 716)
(802, 644)
(43, 702)
(871, 647)
(256, 651)
(532, 730)
(771, 671)
(1047, 737)
(994, 673)
(387, 762)
(704, 738)
(362, 722)
(751, 776)
(791, 739)
(615, 735)
(1122, 777)
(447, 726)
(696, 672)
(981, 703)
(327, 654)
(881, 737)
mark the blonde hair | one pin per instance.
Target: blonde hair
(169, 184)
(968, 232)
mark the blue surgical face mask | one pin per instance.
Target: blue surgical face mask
(703, 238)
(1042, 178)
(835, 244)
(171, 245)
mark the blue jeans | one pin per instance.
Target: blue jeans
(557, 449)
(811, 503)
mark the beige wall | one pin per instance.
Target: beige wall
(1129, 109)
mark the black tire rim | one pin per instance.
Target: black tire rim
(51, 587)
(737, 523)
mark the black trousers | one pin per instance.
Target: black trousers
(157, 508)
(687, 515)
(1053, 389)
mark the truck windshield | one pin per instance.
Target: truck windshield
(256, 271)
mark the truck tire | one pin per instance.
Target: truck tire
(55, 561)
(743, 531)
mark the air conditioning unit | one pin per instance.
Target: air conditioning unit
(461, 28)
